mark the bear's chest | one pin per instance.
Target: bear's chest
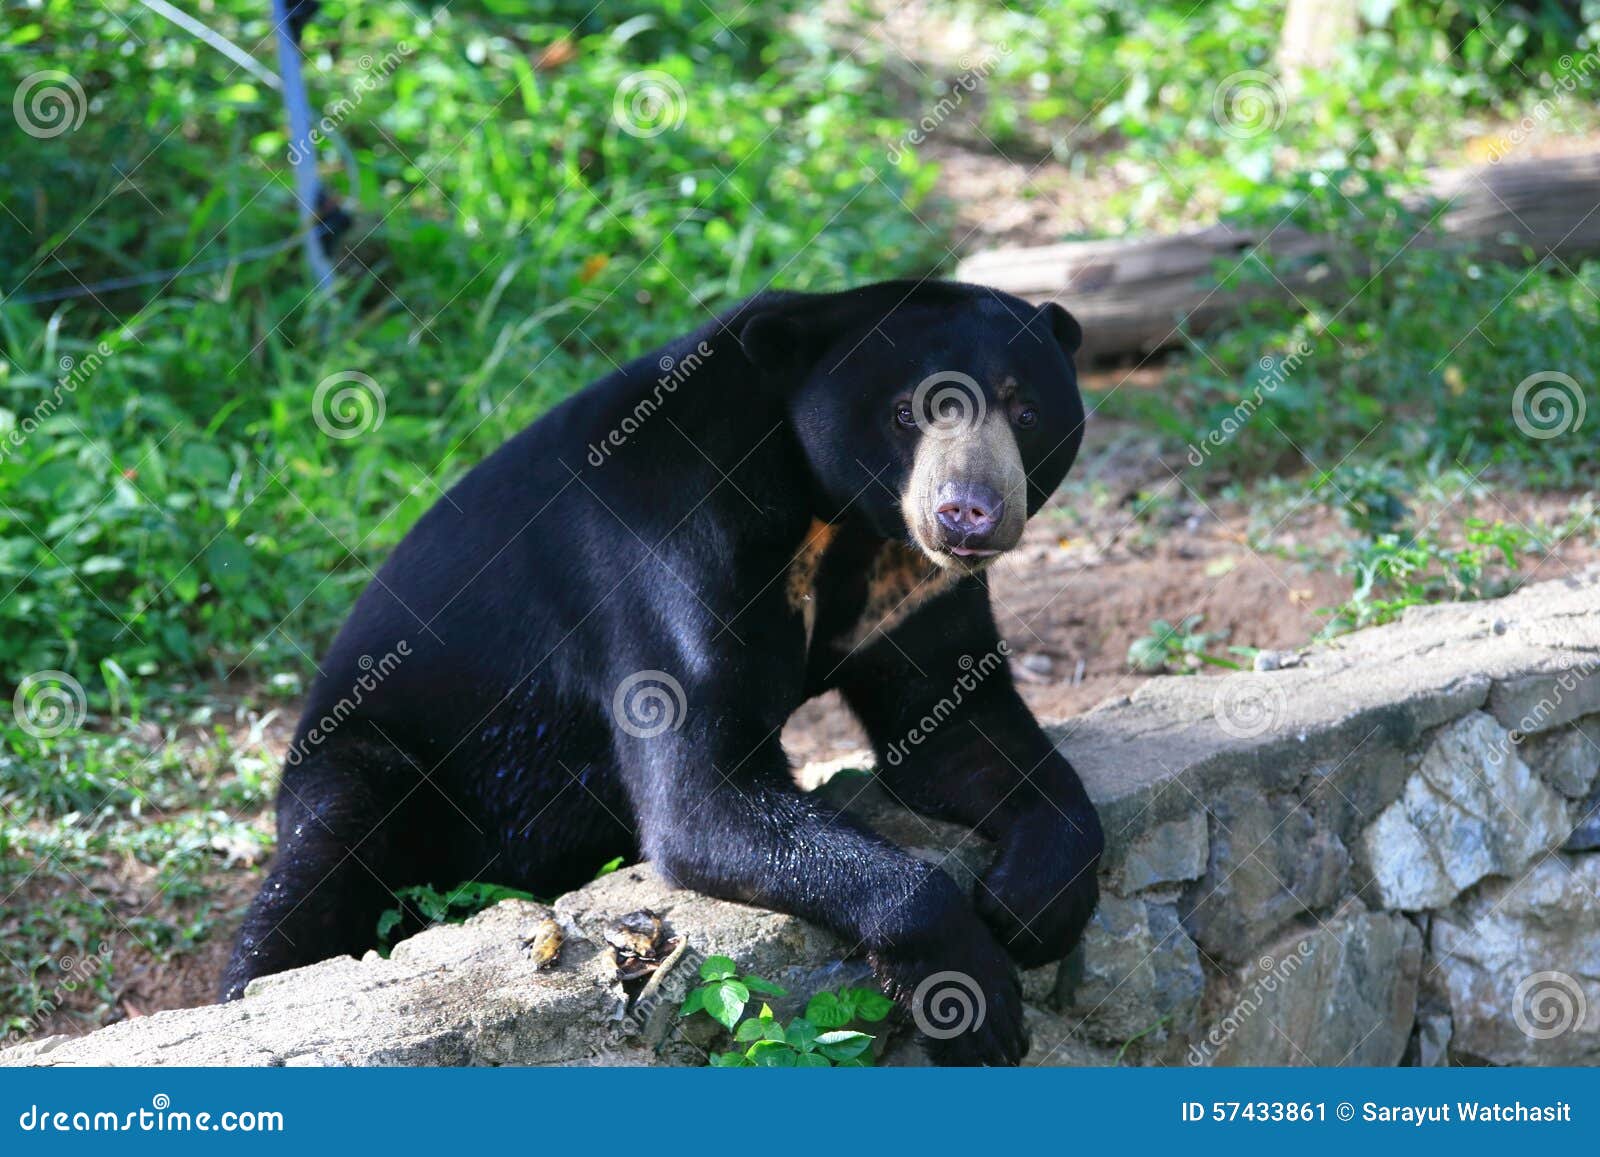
(850, 591)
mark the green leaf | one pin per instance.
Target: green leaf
(756, 984)
(827, 1011)
(801, 1035)
(717, 968)
(771, 1055)
(811, 1061)
(843, 1046)
(229, 563)
(693, 1003)
(750, 1030)
(729, 1061)
(388, 922)
(869, 1004)
(725, 1001)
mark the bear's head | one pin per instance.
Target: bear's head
(938, 413)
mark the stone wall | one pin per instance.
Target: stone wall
(1375, 852)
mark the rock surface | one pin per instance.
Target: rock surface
(1521, 963)
(1294, 854)
(1344, 993)
(1472, 810)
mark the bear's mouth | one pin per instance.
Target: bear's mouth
(967, 559)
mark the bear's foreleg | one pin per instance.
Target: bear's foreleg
(953, 739)
(731, 823)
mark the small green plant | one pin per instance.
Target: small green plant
(436, 907)
(1369, 497)
(1394, 571)
(1180, 649)
(819, 1039)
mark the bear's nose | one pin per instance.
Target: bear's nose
(968, 513)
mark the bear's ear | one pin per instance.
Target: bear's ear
(772, 341)
(1066, 328)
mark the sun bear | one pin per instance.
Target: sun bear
(589, 646)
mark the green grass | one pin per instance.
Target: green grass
(175, 522)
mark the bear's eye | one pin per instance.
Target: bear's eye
(904, 415)
(1027, 416)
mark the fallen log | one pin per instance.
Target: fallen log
(1139, 295)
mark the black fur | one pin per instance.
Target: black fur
(569, 561)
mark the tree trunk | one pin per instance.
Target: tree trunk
(1139, 295)
(1314, 32)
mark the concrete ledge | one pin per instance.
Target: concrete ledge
(1370, 853)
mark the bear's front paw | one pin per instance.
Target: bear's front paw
(963, 996)
(1040, 892)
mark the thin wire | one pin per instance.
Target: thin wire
(255, 253)
(218, 41)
